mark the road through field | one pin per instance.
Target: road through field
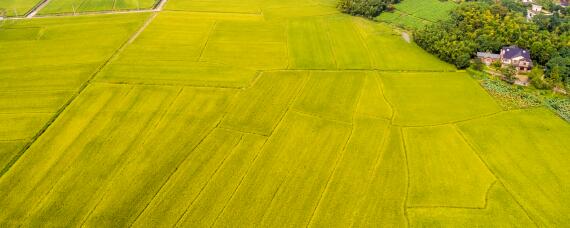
(37, 8)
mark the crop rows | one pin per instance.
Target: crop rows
(235, 118)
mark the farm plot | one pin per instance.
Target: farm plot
(331, 95)
(44, 63)
(403, 20)
(80, 6)
(309, 45)
(418, 13)
(227, 6)
(11, 8)
(528, 150)
(289, 175)
(291, 10)
(390, 52)
(169, 51)
(384, 202)
(435, 98)
(285, 117)
(431, 10)
(260, 108)
(94, 125)
(501, 211)
(347, 185)
(256, 45)
(462, 182)
(372, 102)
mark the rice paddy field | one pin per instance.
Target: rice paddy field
(260, 113)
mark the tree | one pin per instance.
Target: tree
(478, 64)
(509, 72)
(514, 6)
(536, 76)
(365, 8)
(558, 69)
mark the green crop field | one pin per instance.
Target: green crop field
(80, 6)
(259, 113)
(16, 7)
(418, 13)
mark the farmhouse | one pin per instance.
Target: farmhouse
(536, 10)
(488, 57)
(515, 56)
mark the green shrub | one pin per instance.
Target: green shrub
(365, 8)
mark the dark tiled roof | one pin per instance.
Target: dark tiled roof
(488, 55)
(514, 51)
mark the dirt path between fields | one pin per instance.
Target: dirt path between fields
(37, 8)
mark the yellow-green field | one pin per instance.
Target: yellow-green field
(260, 113)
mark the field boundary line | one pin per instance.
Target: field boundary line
(338, 160)
(296, 162)
(453, 122)
(459, 207)
(203, 49)
(144, 141)
(231, 153)
(474, 148)
(136, 218)
(408, 179)
(328, 37)
(380, 86)
(286, 43)
(241, 131)
(306, 77)
(320, 117)
(104, 81)
(299, 92)
(254, 80)
(340, 157)
(212, 11)
(24, 113)
(13, 140)
(69, 101)
(208, 133)
(240, 182)
(363, 42)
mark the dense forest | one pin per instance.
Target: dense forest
(488, 26)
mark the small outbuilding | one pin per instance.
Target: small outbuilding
(488, 57)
